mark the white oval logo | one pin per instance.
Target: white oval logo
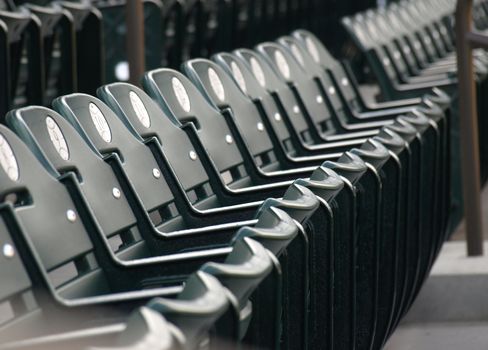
(258, 71)
(57, 138)
(216, 84)
(298, 55)
(236, 72)
(282, 64)
(312, 49)
(100, 123)
(140, 109)
(7, 160)
(181, 94)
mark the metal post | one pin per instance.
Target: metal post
(470, 166)
(135, 40)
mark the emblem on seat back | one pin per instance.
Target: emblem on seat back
(236, 72)
(7, 160)
(312, 49)
(57, 138)
(216, 84)
(282, 64)
(100, 122)
(257, 71)
(140, 109)
(181, 94)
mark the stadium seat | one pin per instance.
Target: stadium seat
(250, 193)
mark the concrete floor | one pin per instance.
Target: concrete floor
(451, 311)
(441, 336)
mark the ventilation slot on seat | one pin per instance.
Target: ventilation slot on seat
(124, 239)
(72, 270)
(227, 177)
(306, 136)
(341, 114)
(288, 145)
(234, 174)
(6, 312)
(199, 193)
(17, 306)
(355, 104)
(265, 159)
(323, 126)
(162, 214)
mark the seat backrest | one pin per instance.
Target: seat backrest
(386, 47)
(49, 218)
(358, 34)
(183, 102)
(89, 44)
(418, 29)
(143, 116)
(304, 84)
(397, 20)
(429, 30)
(266, 76)
(398, 45)
(307, 63)
(361, 33)
(58, 145)
(411, 45)
(20, 60)
(103, 130)
(223, 93)
(239, 70)
(389, 59)
(269, 79)
(59, 64)
(322, 56)
(16, 286)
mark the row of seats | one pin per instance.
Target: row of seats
(409, 47)
(310, 217)
(254, 199)
(51, 48)
(46, 51)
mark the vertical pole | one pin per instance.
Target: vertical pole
(470, 167)
(135, 40)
